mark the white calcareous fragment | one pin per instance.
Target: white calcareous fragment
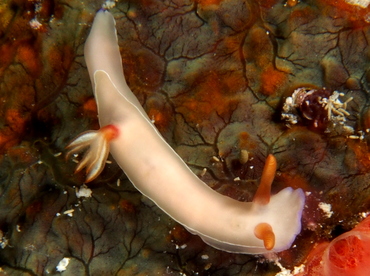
(69, 212)
(244, 156)
(326, 208)
(35, 24)
(83, 191)
(108, 4)
(62, 265)
(216, 159)
(3, 240)
(203, 172)
(361, 3)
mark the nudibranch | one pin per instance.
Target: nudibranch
(267, 224)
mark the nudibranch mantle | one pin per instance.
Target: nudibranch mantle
(267, 224)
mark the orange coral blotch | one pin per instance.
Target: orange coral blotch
(127, 206)
(209, 2)
(355, 15)
(245, 141)
(302, 16)
(160, 120)
(7, 139)
(89, 107)
(293, 180)
(272, 80)
(7, 51)
(29, 57)
(11, 134)
(211, 95)
(60, 58)
(15, 120)
(361, 151)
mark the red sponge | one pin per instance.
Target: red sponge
(346, 255)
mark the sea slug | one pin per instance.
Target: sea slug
(267, 224)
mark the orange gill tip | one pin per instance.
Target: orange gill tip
(97, 153)
(263, 193)
(110, 132)
(263, 231)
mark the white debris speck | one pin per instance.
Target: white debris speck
(284, 271)
(57, 214)
(237, 179)
(205, 257)
(83, 191)
(288, 272)
(203, 172)
(109, 4)
(18, 228)
(365, 214)
(35, 24)
(244, 156)
(62, 265)
(3, 240)
(57, 154)
(183, 246)
(69, 212)
(326, 208)
(216, 159)
(298, 269)
(118, 182)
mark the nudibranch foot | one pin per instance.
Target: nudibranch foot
(97, 142)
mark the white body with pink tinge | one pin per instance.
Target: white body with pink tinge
(159, 173)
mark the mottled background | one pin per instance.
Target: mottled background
(213, 75)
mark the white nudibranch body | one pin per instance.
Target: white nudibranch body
(268, 224)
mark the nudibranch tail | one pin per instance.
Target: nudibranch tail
(263, 231)
(263, 193)
(97, 142)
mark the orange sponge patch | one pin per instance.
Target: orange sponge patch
(272, 80)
